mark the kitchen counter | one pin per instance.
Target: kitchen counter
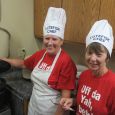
(19, 91)
(22, 87)
(17, 83)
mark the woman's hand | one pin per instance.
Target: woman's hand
(66, 103)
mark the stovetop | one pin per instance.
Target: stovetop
(22, 87)
(16, 82)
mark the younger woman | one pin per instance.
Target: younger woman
(96, 86)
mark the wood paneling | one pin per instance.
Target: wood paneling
(81, 14)
(40, 10)
(107, 11)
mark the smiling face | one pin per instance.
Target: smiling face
(96, 58)
(52, 44)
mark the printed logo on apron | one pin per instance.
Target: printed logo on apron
(40, 77)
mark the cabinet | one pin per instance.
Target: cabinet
(80, 17)
(107, 11)
(81, 14)
(19, 104)
(40, 11)
(19, 94)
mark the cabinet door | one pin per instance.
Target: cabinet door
(81, 14)
(107, 11)
(40, 11)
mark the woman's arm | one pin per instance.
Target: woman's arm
(64, 94)
(15, 62)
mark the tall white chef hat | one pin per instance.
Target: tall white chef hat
(55, 22)
(102, 33)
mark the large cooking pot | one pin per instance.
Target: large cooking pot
(4, 66)
(3, 93)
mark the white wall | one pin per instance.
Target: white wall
(17, 16)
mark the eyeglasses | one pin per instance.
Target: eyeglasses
(70, 109)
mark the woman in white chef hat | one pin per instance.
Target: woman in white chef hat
(53, 71)
(96, 86)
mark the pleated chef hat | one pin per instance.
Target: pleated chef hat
(55, 22)
(102, 33)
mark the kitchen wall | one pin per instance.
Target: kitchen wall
(17, 16)
(77, 51)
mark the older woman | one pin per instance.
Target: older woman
(96, 87)
(53, 71)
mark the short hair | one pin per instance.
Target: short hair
(97, 48)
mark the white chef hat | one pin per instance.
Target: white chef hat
(102, 33)
(55, 22)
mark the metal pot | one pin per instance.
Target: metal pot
(3, 95)
(4, 66)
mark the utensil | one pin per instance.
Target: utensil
(70, 109)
